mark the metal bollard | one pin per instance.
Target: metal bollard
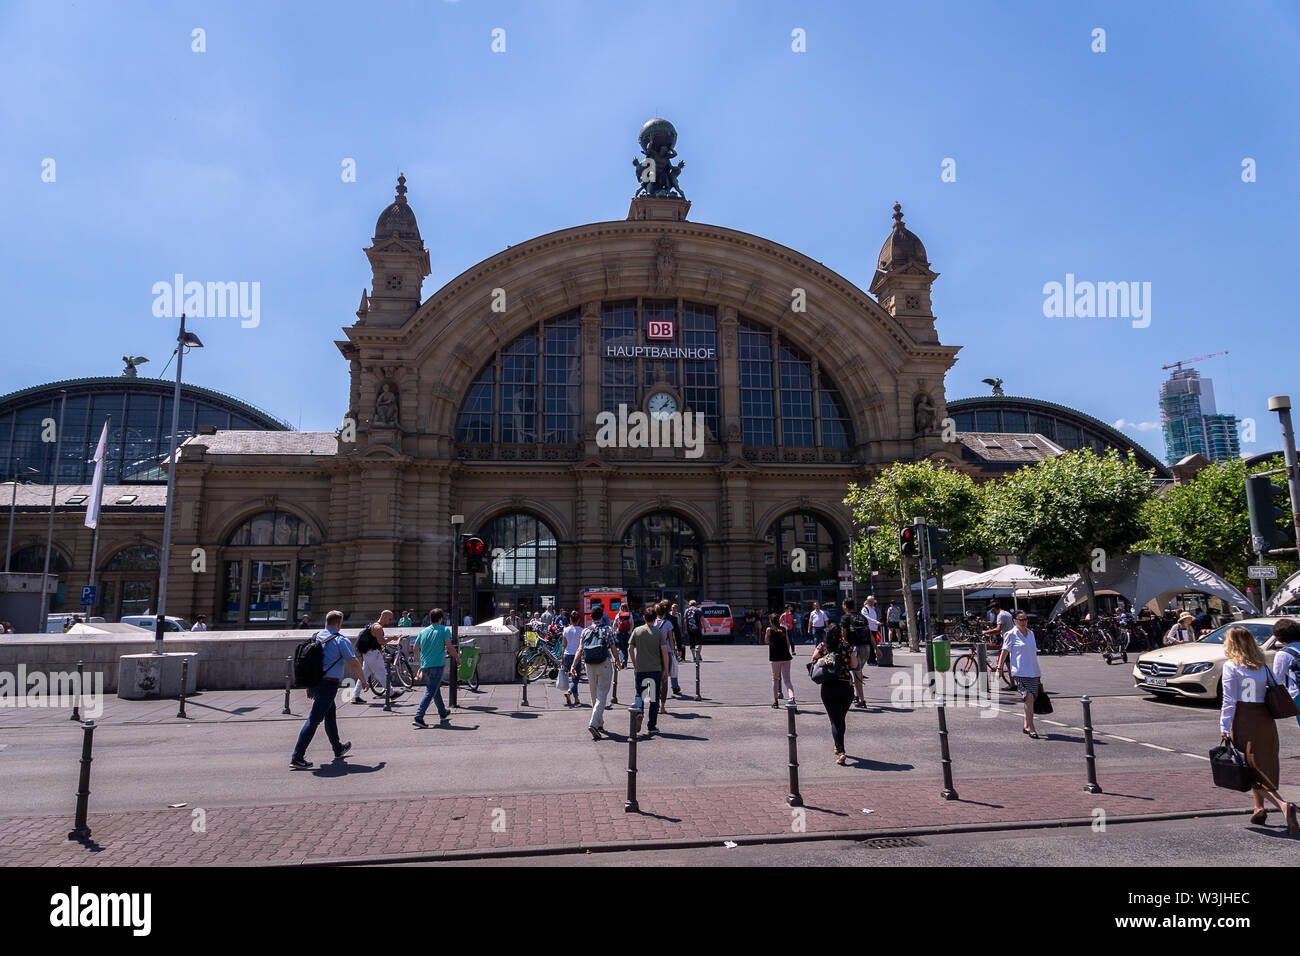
(185, 678)
(1093, 786)
(794, 798)
(288, 683)
(388, 683)
(630, 805)
(523, 690)
(76, 704)
(613, 696)
(79, 829)
(948, 792)
(697, 679)
(453, 680)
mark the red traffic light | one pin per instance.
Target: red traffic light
(474, 547)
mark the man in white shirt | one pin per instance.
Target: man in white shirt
(547, 616)
(1002, 623)
(894, 618)
(200, 623)
(873, 619)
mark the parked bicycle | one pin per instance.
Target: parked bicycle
(403, 666)
(536, 658)
(968, 663)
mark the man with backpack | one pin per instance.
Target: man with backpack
(370, 647)
(858, 636)
(694, 628)
(318, 666)
(1286, 665)
(622, 632)
(597, 649)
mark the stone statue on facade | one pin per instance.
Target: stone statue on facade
(923, 414)
(656, 172)
(386, 407)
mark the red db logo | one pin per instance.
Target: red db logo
(659, 329)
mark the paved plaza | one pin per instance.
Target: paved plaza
(504, 779)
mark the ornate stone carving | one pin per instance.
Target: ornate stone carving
(755, 288)
(665, 265)
(570, 283)
(613, 276)
(714, 282)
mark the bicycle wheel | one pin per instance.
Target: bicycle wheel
(1004, 674)
(964, 671)
(405, 672)
(537, 666)
(472, 683)
(377, 686)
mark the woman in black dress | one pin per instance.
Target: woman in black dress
(837, 693)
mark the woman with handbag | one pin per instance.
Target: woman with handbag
(1019, 644)
(1246, 721)
(832, 666)
(779, 653)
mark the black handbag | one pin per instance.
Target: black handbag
(1228, 764)
(825, 668)
(1280, 704)
(1042, 703)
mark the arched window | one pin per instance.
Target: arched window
(141, 557)
(661, 558)
(521, 551)
(273, 579)
(273, 528)
(530, 392)
(802, 559)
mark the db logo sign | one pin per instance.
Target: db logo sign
(659, 329)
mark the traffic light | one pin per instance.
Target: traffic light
(940, 553)
(907, 540)
(474, 550)
(1264, 515)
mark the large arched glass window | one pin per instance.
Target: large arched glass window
(530, 392)
(661, 558)
(521, 551)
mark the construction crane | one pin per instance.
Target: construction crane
(1200, 358)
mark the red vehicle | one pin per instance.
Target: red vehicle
(612, 600)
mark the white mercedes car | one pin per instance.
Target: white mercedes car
(1196, 669)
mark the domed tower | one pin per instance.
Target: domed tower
(398, 263)
(903, 279)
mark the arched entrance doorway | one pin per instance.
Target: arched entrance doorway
(521, 568)
(662, 559)
(31, 560)
(802, 559)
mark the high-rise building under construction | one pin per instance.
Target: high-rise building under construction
(1191, 423)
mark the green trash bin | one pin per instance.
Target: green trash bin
(468, 661)
(940, 654)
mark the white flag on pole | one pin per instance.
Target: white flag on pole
(97, 486)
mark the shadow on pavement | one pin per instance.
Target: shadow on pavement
(341, 768)
(519, 715)
(861, 763)
(655, 816)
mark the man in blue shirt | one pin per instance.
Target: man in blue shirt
(435, 645)
(336, 652)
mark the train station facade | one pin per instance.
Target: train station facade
(484, 399)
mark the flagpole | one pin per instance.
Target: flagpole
(49, 533)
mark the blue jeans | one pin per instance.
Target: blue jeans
(322, 709)
(432, 692)
(569, 660)
(654, 678)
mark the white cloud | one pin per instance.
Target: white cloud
(1139, 426)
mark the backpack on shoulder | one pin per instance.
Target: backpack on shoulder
(594, 648)
(309, 663)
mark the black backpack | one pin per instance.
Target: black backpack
(855, 628)
(693, 618)
(309, 663)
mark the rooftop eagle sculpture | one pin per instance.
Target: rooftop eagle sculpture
(996, 383)
(131, 362)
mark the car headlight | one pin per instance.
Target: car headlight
(1200, 668)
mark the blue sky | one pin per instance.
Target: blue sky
(225, 165)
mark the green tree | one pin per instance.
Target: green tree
(907, 490)
(1056, 513)
(1205, 520)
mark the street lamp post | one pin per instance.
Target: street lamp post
(454, 677)
(871, 530)
(184, 340)
(54, 490)
(19, 470)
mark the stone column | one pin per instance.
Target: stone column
(729, 378)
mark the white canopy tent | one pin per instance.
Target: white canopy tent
(1150, 579)
(1288, 592)
(1015, 577)
(952, 581)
